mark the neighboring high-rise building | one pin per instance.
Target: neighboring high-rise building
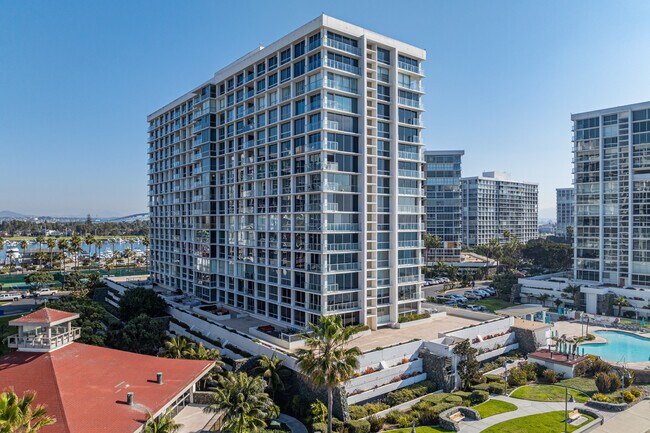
(494, 204)
(612, 187)
(565, 205)
(444, 212)
(290, 185)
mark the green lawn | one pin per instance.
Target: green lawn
(547, 393)
(549, 422)
(492, 303)
(424, 429)
(582, 384)
(494, 407)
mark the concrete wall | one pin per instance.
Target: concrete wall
(488, 328)
(379, 391)
(374, 358)
(565, 370)
(497, 352)
(382, 377)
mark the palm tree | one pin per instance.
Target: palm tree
(18, 415)
(89, 240)
(63, 246)
(127, 253)
(543, 298)
(621, 302)
(202, 353)
(176, 347)
(75, 248)
(163, 424)
(2, 247)
(40, 239)
(51, 243)
(269, 369)
(325, 360)
(242, 399)
(431, 243)
(145, 242)
(23, 245)
(98, 247)
(574, 291)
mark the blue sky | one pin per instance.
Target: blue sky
(77, 80)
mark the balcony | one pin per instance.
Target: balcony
(343, 247)
(342, 46)
(331, 84)
(341, 66)
(413, 85)
(411, 261)
(42, 341)
(343, 306)
(410, 244)
(338, 267)
(411, 173)
(411, 155)
(412, 68)
(411, 103)
(410, 209)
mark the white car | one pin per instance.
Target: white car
(44, 292)
(9, 296)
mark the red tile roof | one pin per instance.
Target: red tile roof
(44, 316)
(85, 387)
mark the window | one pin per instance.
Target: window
(273, 80)
(285, 56)
(383, 129)
(261, 85)
(273, 63)
(383, 56)
(383, 92)
(299, 49)
(383, 74)
(273, 115)
(383, 111)
(285, 111)
(314, 41)
(299, 68)
(260, 69)
(285, 74)
(299, 107)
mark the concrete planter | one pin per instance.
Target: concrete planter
(381, 390)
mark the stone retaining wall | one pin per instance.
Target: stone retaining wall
(448, 424)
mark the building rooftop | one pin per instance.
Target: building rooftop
(84, 387)
(44, 316)
(556, 357)
(529, 324)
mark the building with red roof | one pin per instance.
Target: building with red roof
(91, 389)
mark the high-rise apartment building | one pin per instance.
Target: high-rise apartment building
(565, 202)
(494, 204)
(612, 187)
(290, 185)
(444, 212)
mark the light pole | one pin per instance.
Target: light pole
(505, 376)
(566, 408)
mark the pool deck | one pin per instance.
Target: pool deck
(574, 329)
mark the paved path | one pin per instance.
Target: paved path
(524, 408)
(295, 425)
(634, 420)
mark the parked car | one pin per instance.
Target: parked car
(472, 295)
(482, 293)
(9, 296)
(445, 280)
(454, 303)
(458, 298)
(489, 290)
(43, 292)
(475, 307)
(442, 298)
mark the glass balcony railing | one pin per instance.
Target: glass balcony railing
(337, 267)
(411, 68)
(411, 173)
(413, 85)
(411, 155)
(342, 247)
(332, 84)
(411, 103)
(410, 244)
(411, 261)
(341, 66)
(343, 306)
(410, 209)
(342, 46)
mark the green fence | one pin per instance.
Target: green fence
(9, 281)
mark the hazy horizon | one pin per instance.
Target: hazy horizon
(502, 80)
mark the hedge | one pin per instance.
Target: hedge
(412, 317)
(410, 392)
(358, 426)
(478, 396)
(319, 427)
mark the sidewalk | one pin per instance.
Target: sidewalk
(524, 408)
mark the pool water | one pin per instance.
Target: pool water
(620, 346)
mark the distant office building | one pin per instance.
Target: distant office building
(494, 204)
(565, 205)
(290, 185)
(443, 195)
(612, 187)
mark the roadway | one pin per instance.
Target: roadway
(26, 305)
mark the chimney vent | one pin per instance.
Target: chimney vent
(159, 378)
(129, 398)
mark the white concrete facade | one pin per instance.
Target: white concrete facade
(290, 185)
(493, 204)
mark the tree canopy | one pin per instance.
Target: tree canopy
(136, 302)
(142, 334)
(92, 318)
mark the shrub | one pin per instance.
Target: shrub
(530, 368)
(629, 379)
(482, 387)
(597, 365)
(441, 407)
(635, 392)
(358, 426)
(603, 382)
(393, 416)
(628, 397)
(549, 376)
(517, 377)
(600, 397)
(427, 416)
(357, 412)
(376, 423)
(453, 399)
(435, 398)
(319, 427)
(615, 380)
(463, 394)
(477, 397)
(590, 337)
(492, 378)
(372, 408)
(337, 425)
(412, 317)
(409, 393)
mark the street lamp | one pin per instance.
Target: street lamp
(505, 376)
(566, 408)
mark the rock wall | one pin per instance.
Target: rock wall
(515, 293)
(438, 371)
(310, 393)
(526, 339)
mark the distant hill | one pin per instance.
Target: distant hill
(7, 214)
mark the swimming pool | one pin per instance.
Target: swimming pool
(620, 346)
